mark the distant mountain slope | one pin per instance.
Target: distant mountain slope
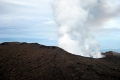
(32, 61)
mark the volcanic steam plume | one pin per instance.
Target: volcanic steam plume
(77, 19)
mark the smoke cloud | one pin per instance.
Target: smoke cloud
(77, 19)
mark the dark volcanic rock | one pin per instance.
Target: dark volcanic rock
(31, 61)
(112, 57)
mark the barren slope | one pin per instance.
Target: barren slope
(25, 61)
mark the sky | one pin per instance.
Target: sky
(33, 21)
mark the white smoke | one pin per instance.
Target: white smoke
(77, 19)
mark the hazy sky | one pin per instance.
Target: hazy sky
(33, 21)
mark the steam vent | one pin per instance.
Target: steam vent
(32, 61)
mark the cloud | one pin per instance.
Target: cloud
(26, 2)
(15, 2)
(49, 22)
(78, 19)
(113, 24)
(33, 19)
(26, 19)
(25, 7)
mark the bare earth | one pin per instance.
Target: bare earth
(32, 61)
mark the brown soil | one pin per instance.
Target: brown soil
(32, 61)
